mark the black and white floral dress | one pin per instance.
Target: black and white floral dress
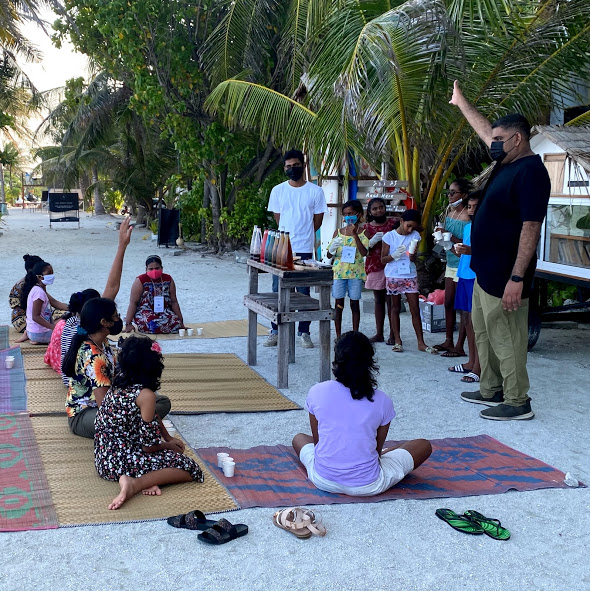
(120, 434)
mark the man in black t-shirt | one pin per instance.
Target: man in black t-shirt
(504, 238)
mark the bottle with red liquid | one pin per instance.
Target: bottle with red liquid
(263, 245)
(288, 263)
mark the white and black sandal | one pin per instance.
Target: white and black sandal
(470, 378)
(459, 369)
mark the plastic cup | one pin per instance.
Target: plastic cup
(200, 331)
(413, 246)
(181, 332)
(220, 457)
(438, 235)
(228, 459)
(9, 363)
(190, 332)
(447, 236)
(229, 469)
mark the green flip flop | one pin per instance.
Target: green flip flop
(459, 522)
(491, 527)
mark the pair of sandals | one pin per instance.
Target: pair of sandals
(474, 523)
(469, 377)
(397, 348)
(214, 532)
(301, 522)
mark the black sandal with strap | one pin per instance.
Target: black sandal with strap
(223, 532)
(194, 520)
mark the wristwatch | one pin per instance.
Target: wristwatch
(516, 278)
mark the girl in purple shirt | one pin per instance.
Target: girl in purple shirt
(349, 419)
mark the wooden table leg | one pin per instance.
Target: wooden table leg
(291, 342)
(325, 336)
(284, 300)
(252, 336)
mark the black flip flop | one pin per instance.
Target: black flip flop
(223, 532)
(194, 520)
(491, 527)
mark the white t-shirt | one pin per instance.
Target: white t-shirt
(402, 268)
(297, 206)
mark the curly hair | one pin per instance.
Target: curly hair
(354, 365)
(138, 363)
(78, 299)
(31, 260)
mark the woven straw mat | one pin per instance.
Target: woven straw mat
(81, 497)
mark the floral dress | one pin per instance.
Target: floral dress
(94, 369)
(146, 318)
(18, 315)
(354, 270)
(120, 434)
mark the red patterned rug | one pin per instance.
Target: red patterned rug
(25, 500)
(272, 476)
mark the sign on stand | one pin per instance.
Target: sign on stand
(64, 207)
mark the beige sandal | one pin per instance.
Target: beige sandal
(300, 522)
(397, 348)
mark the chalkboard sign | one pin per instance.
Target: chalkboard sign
(64, 207)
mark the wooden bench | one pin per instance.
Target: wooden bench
(285, 308)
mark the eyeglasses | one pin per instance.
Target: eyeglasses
(451, 193)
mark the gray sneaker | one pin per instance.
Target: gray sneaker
(272, 340)
(477, 398)
(504, 412)
(305, 341)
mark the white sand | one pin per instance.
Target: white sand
(397, 545)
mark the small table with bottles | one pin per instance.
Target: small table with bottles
(285, 308)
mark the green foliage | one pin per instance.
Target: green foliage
(190, 204)
(113, 200)
(557, 293)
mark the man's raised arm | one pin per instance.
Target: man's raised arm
(480, 124)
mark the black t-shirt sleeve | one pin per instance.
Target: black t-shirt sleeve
(533, 189)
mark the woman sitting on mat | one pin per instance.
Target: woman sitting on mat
(349, 419)
(78, 299)
(18, 315)
(131, 445)
(38, 303)
(153, 306)
(90, 366)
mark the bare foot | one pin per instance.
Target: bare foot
(426, 349)
(376, 339)
(443, 346)
(22, 338)
(126, 483)
(152, 491)
(454, 353)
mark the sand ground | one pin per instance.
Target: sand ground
(390, 545)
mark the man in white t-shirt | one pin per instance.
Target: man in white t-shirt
(299, 208)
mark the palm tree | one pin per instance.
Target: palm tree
(375, 78)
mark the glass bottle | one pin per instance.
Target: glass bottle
(275, 249)
(253, 243)
(263, 245)
(289, 265)
(269, 246)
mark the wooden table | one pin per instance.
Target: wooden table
(285, 308)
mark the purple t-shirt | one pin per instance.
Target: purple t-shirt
(347, 449)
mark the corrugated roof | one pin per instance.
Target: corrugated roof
(573, 140)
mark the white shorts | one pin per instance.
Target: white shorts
(395, 466)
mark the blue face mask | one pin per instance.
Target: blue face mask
(350, 220)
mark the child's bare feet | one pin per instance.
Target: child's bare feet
(443, 346)
(127, 491)
(152, 491)
(377, 339)
(24, 337)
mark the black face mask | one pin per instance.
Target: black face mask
(294, 172)
(497, 150)
(116, 328)
(380, 219)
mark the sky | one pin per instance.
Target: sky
(55, 67)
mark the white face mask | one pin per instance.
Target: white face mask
(455, 204)
(48, 279)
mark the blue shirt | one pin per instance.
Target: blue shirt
(464, 270)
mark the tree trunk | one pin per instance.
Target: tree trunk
(98, 205)
(2, 192)
(206, 203)
(215, 212)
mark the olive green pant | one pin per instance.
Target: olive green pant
(82, 424)
(502, 345)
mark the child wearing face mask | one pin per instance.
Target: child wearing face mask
(402, 277)
(38, 303)
(348, 248)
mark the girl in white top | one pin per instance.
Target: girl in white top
(401, 276)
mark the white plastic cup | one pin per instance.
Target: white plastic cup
(438, 235)
(447, 236)
(181, 332)
(220, 457)
(229, 469)
(9, 363)
(413, 246)
(190, 332)
(200, 331)
(224, 460)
